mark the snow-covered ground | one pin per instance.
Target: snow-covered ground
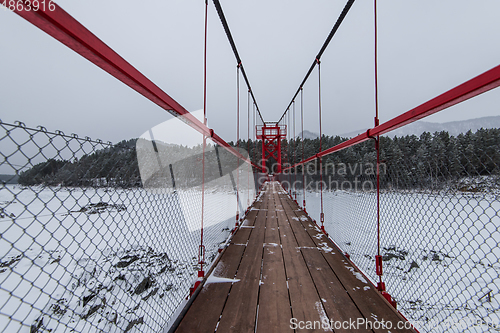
(123, 260)
(97, 260)
(441, 252)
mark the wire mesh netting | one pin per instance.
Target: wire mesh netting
(439, 220)
(85, 247)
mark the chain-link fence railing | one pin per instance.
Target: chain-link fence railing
(85, 247)
(439, 220)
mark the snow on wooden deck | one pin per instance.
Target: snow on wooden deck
(280, 273)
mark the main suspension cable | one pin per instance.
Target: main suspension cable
(341, 18)
(378, 260)
(223, 20)
(201, 250)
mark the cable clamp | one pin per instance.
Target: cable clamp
(201, 254)
(377, 140)
(369, 135)
(378, 265)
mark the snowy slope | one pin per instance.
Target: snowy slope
(453, 127)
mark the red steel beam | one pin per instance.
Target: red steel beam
(57, 23)
(475, 86)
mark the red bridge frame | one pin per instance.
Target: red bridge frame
(271, 135)
(59, 24)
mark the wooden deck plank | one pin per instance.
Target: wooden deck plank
(274, 312)
(272, 235)
(287, 269)
(239, 314)
(204, 313)
(252, 214)
(301, 234)
(363, 294)
(305, 301)
(241, 236)
(249, 221)
(335, 300)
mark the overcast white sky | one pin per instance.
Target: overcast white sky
(425, 48)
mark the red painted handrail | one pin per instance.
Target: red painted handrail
(57, 23)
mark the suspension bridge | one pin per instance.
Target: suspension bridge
(275, 268)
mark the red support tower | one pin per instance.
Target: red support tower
(271, 135)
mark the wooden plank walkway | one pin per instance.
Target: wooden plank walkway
(284, 275)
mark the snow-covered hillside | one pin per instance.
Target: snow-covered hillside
(453, 127)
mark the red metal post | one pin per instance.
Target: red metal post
(263, 153)
(279, 154)
(302, 129)
(237, 144)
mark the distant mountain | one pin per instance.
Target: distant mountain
(452, 127)
(308, 135)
